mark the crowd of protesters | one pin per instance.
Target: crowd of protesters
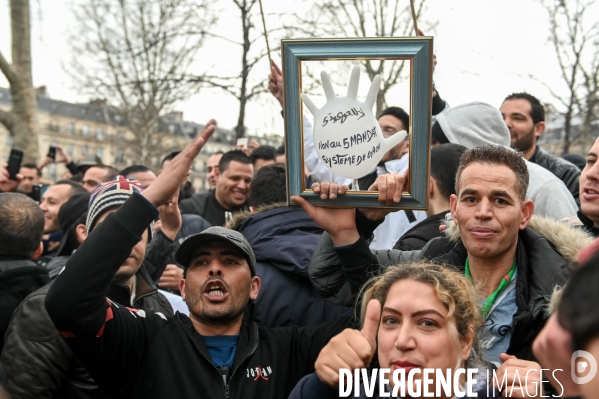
(128, 284)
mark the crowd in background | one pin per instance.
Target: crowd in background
(127, 283)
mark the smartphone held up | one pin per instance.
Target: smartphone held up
(14, 163)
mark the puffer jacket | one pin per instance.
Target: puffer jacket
(18, 278)
(38, 362)
(283, 239)
(544, 248)
(566, 171)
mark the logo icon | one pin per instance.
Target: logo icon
(581, 366)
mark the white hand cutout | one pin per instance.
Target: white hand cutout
(347, 135)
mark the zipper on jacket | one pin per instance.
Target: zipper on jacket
(251, 352)
(226, 385)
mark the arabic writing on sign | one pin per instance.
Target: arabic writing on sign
(342, 116)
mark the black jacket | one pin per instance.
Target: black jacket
(540, 270)
(18, 278)
(39, 363)
(588, 224)
(564, 170)
(196, 204)
(149, 355)
(283, 240)
(199, 204)
(331, 281)
(419, 235)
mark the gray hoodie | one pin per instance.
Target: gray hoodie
(477, 124)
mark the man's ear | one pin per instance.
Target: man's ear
(432, 187)
(81, 231)
(453, 203)
(38, 251)
(182, 288)
(539, 129)
(528, 207)
(255, 288)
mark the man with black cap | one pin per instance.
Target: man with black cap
(37, 361)
(211, 353)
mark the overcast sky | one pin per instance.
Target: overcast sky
(485, 49)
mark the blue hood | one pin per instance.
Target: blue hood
(283, 237)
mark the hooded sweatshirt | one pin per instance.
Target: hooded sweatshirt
(283, 240)
(477, 124)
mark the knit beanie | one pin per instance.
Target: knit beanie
(111, 195)
(474, 125)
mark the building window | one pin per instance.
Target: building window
(100, 134)
(84, 150)
(100, 152)
(55, 126)
(120, 134)
(71, 128)
(85, 130)
(70, 149)
(120, 156)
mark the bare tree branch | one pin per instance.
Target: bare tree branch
(7, 69)
(577, 53)
(365, 18)
(136, 55)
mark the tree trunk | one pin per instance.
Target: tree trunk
(23, 94)
(240, 128)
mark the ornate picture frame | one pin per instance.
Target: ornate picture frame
(419, 51)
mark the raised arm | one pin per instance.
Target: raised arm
(77, 300)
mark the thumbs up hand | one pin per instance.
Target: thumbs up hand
(518, 372)
(351, 349)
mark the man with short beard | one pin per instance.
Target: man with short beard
(588, 215)
(211, 353)
(524, 116)
(233, 179)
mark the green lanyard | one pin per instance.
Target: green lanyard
(491, 299)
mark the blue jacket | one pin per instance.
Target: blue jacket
(283, 240)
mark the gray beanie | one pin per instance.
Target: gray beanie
(474, 125)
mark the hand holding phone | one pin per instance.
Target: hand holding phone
(9, 172)
(14, 163)
(52, 152)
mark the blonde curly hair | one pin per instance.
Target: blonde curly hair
(455, 291)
